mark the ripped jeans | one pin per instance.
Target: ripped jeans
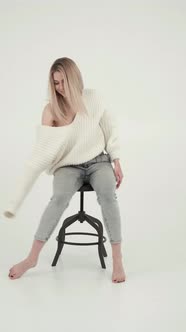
(68, 179)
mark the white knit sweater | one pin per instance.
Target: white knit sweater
(76, 143)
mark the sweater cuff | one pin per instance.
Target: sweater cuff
(114, 154)
(23, 187)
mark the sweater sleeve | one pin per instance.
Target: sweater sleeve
(108, 124)
(43, 153)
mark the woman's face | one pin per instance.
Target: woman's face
(59, 82)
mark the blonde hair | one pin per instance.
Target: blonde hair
(73, 87)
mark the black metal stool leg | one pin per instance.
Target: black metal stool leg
(61, 237)
(74, 217)
(101, 227)
(100, 244)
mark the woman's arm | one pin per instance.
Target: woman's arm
(41, 156)
(110, 131)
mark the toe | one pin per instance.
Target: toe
(12, 274)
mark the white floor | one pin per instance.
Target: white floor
(78, 295)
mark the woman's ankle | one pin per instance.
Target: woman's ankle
(32, 260)
(116, 250)
(35, 251)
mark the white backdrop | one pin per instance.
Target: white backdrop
(134, 52)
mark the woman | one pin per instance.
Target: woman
(75, 130)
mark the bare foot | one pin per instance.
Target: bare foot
(118, 274)
(17, 270)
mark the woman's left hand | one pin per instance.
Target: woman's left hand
(118, 172)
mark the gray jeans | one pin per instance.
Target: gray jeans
(67, 180)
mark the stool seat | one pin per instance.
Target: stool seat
(86, 187)
(81, 216)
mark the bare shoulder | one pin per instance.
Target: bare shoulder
(47, 118)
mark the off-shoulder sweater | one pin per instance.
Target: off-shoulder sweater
(83, 139)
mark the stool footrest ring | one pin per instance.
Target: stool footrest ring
(81, 243)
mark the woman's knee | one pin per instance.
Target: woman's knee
(108, 196)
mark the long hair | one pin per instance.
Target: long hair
(72, 103)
